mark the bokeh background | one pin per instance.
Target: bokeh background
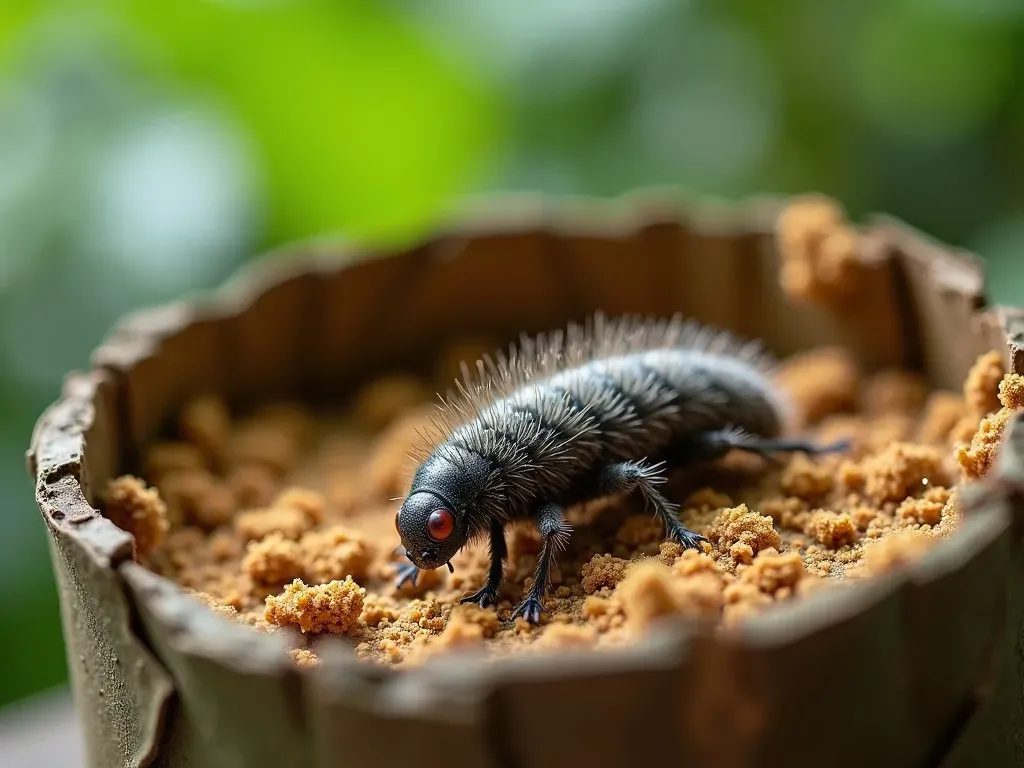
(147, 147)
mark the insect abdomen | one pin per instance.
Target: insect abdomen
(547, 435)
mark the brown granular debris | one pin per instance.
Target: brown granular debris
(832, 530)
(964, 431)
(942, 412)
(309, 537)
(376, 611)
(981, 388)
(309, 503)
(274, 560)
(382, 401)
(920, 511)
(821, 382)
(331, 607)
(197, 497)
(650, 591)
(786, 511)
(389, 469)
(901, 470)
(977, 459)
(640, 530)
(486, 622)
(891, 552)
(171, 457)
(603, 571)
(206, 423)
(335, 553)
(772, 572)
(806, 479)
(1011, 391)
(895, 391)
(224, 545)
(304, 657)
(818, 251)
(691, 561)
(217, 606)
(252, 486)
(256, 524)
(738, 525)
(137, 509)
(567, 636)
(459, 633)
(262, 443)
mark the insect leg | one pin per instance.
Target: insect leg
(629, 476)
(708, 446)
(554, 532)
(488, 594)
(407, 572)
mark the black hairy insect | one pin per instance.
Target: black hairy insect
(596, 409)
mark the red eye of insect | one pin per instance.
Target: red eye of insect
(440, 524)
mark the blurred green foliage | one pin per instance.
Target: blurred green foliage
(148, 146)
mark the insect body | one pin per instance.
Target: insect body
(596, 410)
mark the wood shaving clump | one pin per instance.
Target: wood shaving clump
(135, 508)
(331, 607)
(273, 560)
(981, 389)
(818, 250)
(650, 591)
(285, 520)
(603, 572)
(978, 458)
(821, 382)
(741, 533)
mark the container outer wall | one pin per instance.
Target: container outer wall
(260, 712)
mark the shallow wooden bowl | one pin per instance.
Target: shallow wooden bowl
(911, 670)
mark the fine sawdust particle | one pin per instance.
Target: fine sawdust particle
(603, 571)
(135, 508)
(981, 388)
(902, 469)
(977, 458)
(739, 527)
(821, 382)
(832, 530)
(206, 424)
(895, 392)
(331, 607)
(274, 560)
(216, 605)
(304, 657)
(895, 551)
(772, 572)
(467, 625)
(257, 524)
(650, 591)
(818, 251)
(386, 399)
(285, 519)
(942, 413)
(567, 636)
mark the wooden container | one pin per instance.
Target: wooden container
(930, 658)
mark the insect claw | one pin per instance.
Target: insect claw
(407, 573)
